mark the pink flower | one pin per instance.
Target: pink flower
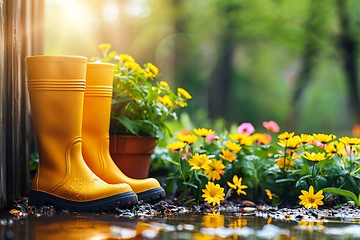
(246, 128)
(271, 126)
(186, 154)
(212, 137)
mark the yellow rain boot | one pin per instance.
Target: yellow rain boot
(95, 133)
(56, 86)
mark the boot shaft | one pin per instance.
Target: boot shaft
(98, 96)
(56, 86)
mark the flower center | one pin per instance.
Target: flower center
(311, 200)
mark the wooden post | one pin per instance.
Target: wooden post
(17, 37)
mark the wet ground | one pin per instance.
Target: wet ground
(169, 220)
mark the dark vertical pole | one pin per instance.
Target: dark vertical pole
(2, 106)
(17, 40)
(13, 85)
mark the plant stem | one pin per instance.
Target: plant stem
(312, 175)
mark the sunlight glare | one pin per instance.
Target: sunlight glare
(110, 11)
(137, 8)
(66, 3)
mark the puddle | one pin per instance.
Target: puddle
(91, 226)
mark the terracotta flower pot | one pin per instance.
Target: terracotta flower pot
(132, 154)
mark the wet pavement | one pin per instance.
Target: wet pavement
(165, 220)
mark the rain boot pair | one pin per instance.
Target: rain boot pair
(65, 178)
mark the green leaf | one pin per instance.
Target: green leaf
(342, 192)
(171, 161)
(320, 181)
(285, 180)
(301, 171)
(356, 176)
(202, 175)
(303, 178)
(352, 182)
(169, 185)
(190, 184)
(272, 170)
(128, 124)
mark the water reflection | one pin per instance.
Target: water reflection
(213, 220)
(88, 226)
(81, 226)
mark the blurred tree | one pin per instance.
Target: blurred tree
(219, 88)
(348, 45)
(315, 27)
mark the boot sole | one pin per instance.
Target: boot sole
(122, 200)
(152, 194)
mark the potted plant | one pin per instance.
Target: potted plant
(140, 105)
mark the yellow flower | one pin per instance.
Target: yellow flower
(165, 100)
(324, 138)
(237, 185)
(104, 47)
(188, 138)
(213, 193)
(176, 146)
(215, 169)
(181, 103)
(126, 58)
(133, 66)
(260, 138)
(183, 93)
(334, 148)
(199, 161)
(227, 155)
(164, 84)
(285, 135)
(247, 141)
(284, 164)
(234, 147)
(349, 141)
(311, 200)
(314, 157)
(292, 142)
(203, 132)
(293, 154)
(269, 194)
(237, 136)
(151, 70)
(306, 138)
